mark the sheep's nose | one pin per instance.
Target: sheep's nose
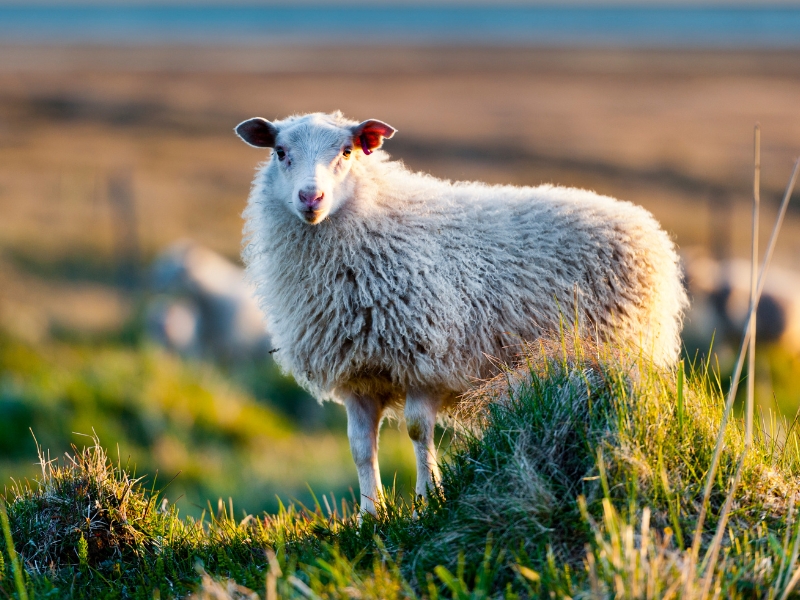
(311, 199)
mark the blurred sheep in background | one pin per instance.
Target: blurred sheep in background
(203, 306)
(720, 295)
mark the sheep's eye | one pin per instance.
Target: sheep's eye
(347, 152)
(280, 152)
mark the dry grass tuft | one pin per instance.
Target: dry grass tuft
(82, 511)
(568, 350)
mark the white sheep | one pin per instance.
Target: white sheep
(387, 289)
(209, 308)
(720, 302)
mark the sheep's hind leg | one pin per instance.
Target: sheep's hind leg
(420, 412)
(363, 422)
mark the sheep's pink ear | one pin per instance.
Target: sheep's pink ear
(370, 134)
(257, 132)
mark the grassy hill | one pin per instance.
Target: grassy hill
(580, 476)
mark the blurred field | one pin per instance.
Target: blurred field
(669, 130)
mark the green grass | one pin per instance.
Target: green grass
(222, 433)
(580, 476)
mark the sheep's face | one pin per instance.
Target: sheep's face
(312, 159)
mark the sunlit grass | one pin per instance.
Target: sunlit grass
(581, 477)
(162, 416)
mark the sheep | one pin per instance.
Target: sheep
(720, 298)
(388, 290)
(211, 310)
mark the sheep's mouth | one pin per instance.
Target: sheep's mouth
(311, 216)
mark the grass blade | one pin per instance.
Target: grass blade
(751, 365)
(19, 580)
(681, 378)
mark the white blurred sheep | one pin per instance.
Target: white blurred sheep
(208, 307)
(386, 289)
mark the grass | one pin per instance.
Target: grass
(581, 476)
(160, 415)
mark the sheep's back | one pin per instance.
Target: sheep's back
(540, 258)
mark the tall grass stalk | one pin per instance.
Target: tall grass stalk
(681, 378)
(751, 365)
(716, 544)
(19, 580)
(739, 363)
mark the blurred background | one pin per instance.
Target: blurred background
(122, 307)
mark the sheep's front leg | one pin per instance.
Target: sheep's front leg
(363, 422)
(420, 412)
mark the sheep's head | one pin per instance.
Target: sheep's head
(313, 156)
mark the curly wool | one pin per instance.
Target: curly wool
(419, 284)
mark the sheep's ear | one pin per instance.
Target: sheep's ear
(257, 132)
(370, 134)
